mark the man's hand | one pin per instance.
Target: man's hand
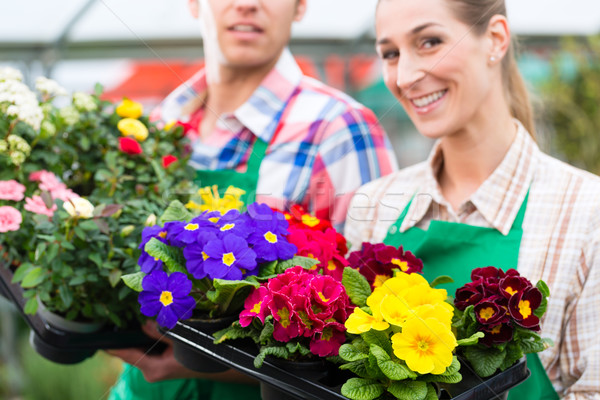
(164, 366)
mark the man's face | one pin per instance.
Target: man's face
(252, 33)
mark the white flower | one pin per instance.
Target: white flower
(69, 114)
(84, 102)
(21, 102)
(49, 87)
(151, 220)
(17, 157)
(10, 74)
(3, 146)
(79, 207)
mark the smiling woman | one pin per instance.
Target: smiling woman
(486, 195)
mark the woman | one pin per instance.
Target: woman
(486, 195)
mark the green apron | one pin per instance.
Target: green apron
(454, 249)
(131, 384)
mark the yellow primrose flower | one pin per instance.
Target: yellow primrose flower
(129, 109)
(401, 282)
(424, 294)
(425, 345)
(443, 312)
(361, 322)
(170, 124)
(395, 310)
(133, 127)
(212, 201)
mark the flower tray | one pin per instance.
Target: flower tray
(66, 347)
(302, 385)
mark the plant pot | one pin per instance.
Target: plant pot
(196, 360)
(59, 322)
(313, 370)
(59, 355)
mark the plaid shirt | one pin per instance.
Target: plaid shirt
(325, 146)
(560, 244)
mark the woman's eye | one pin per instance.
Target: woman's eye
(430, 43)
(390, 54)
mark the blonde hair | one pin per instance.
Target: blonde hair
(477, 14)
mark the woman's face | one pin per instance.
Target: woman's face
(433, 64)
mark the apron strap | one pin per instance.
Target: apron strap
(518, 223)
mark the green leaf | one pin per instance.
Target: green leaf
(453, 368)
(471, 340)
(171, 256)
(304, 262)
(297, 348)
(380, 338)
(65, 295)
(532, 345)
(441, 280)
(275, 351)
(485, 361)
(394, 370)
(77, 280)
(266, 333)
(513, 353)
(357, 286)
(362, 389)
(350, 353)
(31, 306)
(98, 89)
(267, 270)
(114, 277)
(34, 277)
(357, 367)
(408, 390)
(431, 393)
(52, 252)
(95, 258)
(233, 332)
(39, 251)
(176, 211)
(452, 378)
(21, 272)
(541, 310)
(230, 295)
(134, 281)
(88, 225)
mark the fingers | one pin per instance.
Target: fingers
(130, 356)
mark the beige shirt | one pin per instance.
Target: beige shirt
(560, 244)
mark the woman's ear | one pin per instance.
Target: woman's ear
(300, 10)
(499, 37)
(194, 8)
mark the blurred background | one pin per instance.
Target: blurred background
(143, 49)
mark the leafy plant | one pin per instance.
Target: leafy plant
(90, 173)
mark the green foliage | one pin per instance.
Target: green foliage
(362, 389)
(485, 361)
(74, 264)
(571, 103)
(134, 281)
(357, 286)
(274, 268)
(440, 280)
(229, 296)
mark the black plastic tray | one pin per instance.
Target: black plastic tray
(68, 347)
(240, 355)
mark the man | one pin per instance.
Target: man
(289, 137)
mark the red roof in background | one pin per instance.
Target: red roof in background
(150, 81)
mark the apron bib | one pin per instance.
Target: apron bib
(455, 249)
(131, 384)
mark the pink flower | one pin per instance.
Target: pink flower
(36, 205)
(10, 219)
(129, 145)
(50, 183)
(64, 194)
(37, 175)
(255, 306)
(328, 342)
(11, 190)
(168, 160)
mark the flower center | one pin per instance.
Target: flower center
(270, 237)
(227, 227)
(423, 345)
(510, 290)
(322, 297)
(204, 256)
(310, 220)
(214, 220)
(284, 315)
(256, 308)
(228, 259)
(379, 279)
(162, 234)
(191, 227)
(331, 265)
(327, 334)
(496, 330)
(402, 264)
(166, 298)
(486, 313)
(525, 308)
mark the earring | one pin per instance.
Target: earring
(492, 58)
